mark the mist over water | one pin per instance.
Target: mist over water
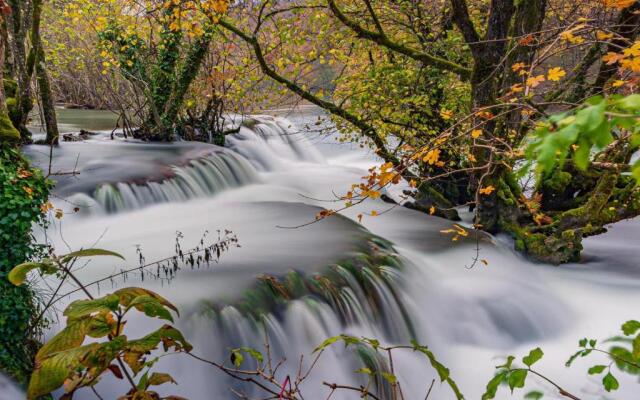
(273, 177)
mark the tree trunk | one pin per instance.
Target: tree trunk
(8, 133)
(19, 21)
(42, 77)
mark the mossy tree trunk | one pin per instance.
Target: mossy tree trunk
(8, 133)
(42, 77)
(19, 21)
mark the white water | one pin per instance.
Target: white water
(268, 180)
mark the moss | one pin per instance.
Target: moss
(10, 87)
(8, 134)
(558, 181)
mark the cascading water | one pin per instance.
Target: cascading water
(272, 179)
(202, 177)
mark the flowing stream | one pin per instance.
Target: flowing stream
(271, 178)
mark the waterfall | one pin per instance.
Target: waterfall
(202, 177)
(270, 142)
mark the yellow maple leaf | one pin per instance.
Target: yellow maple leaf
(618, 83)
(432, 210)
(518, 66)
(476, 133)
(535, 80)
(555, 74)
(432, 156)
(487, 190)
(602, 35)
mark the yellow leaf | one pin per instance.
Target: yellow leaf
(432, 210)
(601, 35)
(555, 74)
(446, 114)
(476, 133)
(487, 190)
(618, 83)
(518, 66)
(535, 80)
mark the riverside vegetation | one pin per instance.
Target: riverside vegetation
(524, 112)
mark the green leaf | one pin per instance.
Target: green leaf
(597, 369)
(327, 342)
(18, 274)
(51, 372)
(517, 378)
(508, 363)
(443, 372)
(534, 395)
(253, 353)
(236, 358)
(169, 336)
(636, 347)
(364, 371)
(630, 103)
(129, 294)
(70, 337)
(389, 377)
(82, 308)
(492, 386)
(89, 253)
(534, 356)
(151, 307)
(610, 382)
(630, 327)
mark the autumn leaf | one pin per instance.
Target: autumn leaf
(476, 133)
(534, 81)
(517, 88)
(619, 4)
(611, 58)
(432, 210)
(432, 157)
(555, 74)
(601, 35)
(446, 114)
(518, 66)
(487, 190)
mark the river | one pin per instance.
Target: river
(270, 179)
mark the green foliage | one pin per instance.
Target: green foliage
(576, 134)
(66, 361)
(22, 192)
(390, 377)
(515, 377)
